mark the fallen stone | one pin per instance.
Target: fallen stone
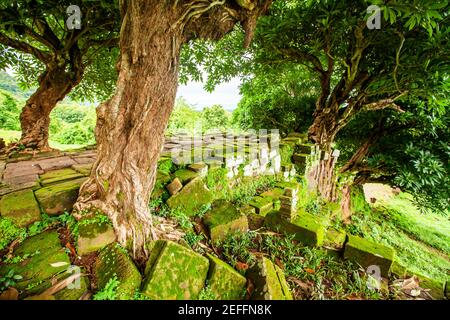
(94, 236)
(192, 197)
(162, 179)
(300, 161)
(335, 239)
(225, 282)
(174, 187)
(200, 168)
(304, 228)
(224, 219)
(367, 253)
(84, 169)
(7, 189)
(269, 282)
(435, 288)
(59, 198)
(262, 205)
(114, 261)
(21, 207)
(56, 176)
(46, 258)
(73, 291)
(174, 272)
(185, 175)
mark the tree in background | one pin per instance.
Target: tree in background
(130, 126)
(34, 40)
(9, 112)
(215, 117)
(357, 69)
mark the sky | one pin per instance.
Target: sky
(226, 94)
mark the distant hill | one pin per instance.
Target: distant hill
(9, 84)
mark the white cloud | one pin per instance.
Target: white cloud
(226, 94)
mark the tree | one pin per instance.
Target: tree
(357, 69)
(9, 113)
(130, 126)
(34, 40)
(215, 117)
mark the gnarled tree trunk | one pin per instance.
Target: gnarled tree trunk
(54, 85)
(130, 126)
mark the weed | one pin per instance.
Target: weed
(9, 280)
(109, 292)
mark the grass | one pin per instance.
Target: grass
(421, 240)
(13, 136)
(311, 272)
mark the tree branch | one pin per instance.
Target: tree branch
(24, 47)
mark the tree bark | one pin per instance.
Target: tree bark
(130, 126)
(54, 85)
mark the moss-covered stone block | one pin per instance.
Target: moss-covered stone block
(56, 176)
(304, 228)
(368, 253)
(192, 197)
(447, 289)
(223, 219)
(174, 272)
(262, 205)
(286, 152)
(436, 288)
(185, 175)
(84, 169)
(59, 198)
(335, 238)
(269, 283)
(20, 207)
(162, 179)
(225, 282)
(94, 236)
(75, 292)
(45, 259)
(300, 161)
(114, 261)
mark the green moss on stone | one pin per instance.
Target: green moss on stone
(174, 273)
(223, 219)
(94, 236)
(367, 253)
(74, 293)
(335, 238)
(20, 207)
(46, 259)
(225, 282)
(191, 198)
(262, 205)
(266, 281)
(185, 175)
(113, 261)
(286, 152)
(56, 176)
(165, 165)
(304, 228)
(59, 198)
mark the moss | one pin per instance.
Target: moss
(335, 238)
(46, 259)
(223, 219)
(75, 293)
(225, 282)
(84, 169)
(266, 281)
(113, 261)
(20, 207)
(185, 175)
(262, 205)
(176, 273)
(304, 228)
(282, 279)
(159, 190)
(94, 236)
(59, 198)
(436, 288)
(367, 253)
(306, 148)
(56, 176)
(286, 152)
(191, 198)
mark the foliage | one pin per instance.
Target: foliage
(215, 117)
(34, 36)
(9, 232)
(9, 280)
(207, 294)
(9, 113)
(109, 292)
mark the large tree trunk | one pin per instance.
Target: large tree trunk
(54, 85)
(130, 126)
